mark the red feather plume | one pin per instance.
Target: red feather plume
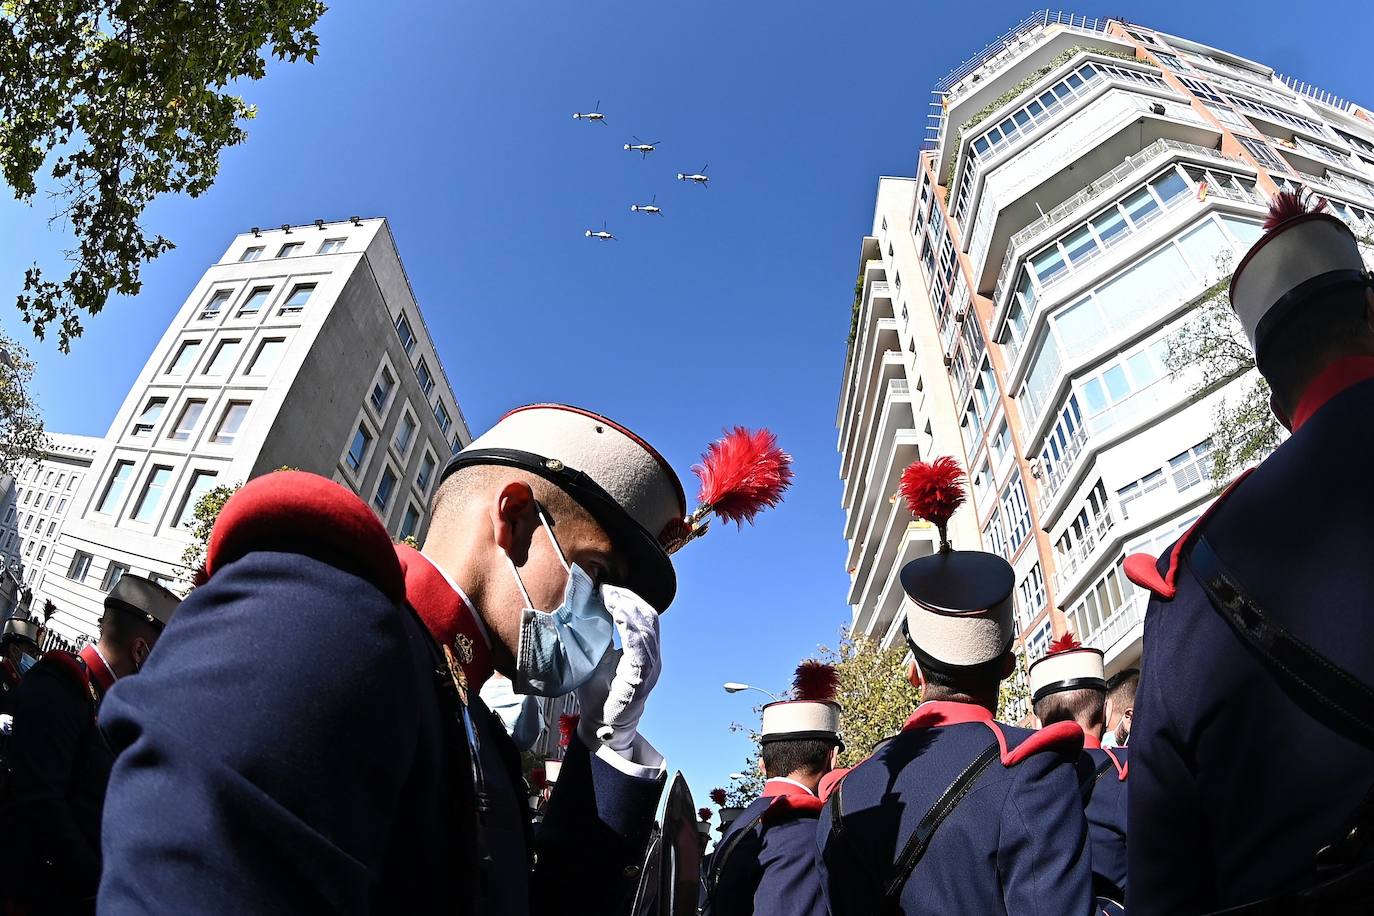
(704, 814)
(815, 681)
(932, 490)
(1290, 205)
(742, 474)
(539, 779)
(567, 725)
(1065, 643)
(718, 796)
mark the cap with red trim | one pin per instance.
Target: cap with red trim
(812, 714)
(1303, 253)
(1067, 666)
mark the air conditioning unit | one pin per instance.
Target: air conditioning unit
(1157, 108)
(949, 360)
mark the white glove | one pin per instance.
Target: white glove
(612, 700)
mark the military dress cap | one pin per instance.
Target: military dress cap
(626, 485)
(959, 615)
(22, 628)
(143, 597)
(1067, 666)
(1303, 253)
(812, 713)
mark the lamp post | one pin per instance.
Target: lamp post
(733, 687)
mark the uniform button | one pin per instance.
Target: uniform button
(631, 871)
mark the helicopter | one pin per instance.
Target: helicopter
(700, 177)
(601, 234)
(650, 207)
(639, 146)
(592, 115)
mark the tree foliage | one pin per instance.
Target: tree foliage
(874, 692)
(123, 101)
(206, 512)
(21, 428)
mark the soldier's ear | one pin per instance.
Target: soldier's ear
(913, 674)
(513, 518)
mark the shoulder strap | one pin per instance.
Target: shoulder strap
(1091, 783)
(1300, 668)
(925, 831)
(723, 853)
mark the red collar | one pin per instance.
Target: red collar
(100, 672)
(1090, 742)
(1330, 382)
(938, 713)
(446, 614)
(786, 799)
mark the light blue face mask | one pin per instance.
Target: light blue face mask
(1109, 738)
(559, 649)
(26, 661)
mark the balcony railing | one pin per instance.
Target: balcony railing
(1008, 41)
(1069, 563)
(1051, 482)
(1101, 187)
(1119, 624)
(1312, 92)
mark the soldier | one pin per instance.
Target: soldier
(1252, 757)
(60, 762)
(1068, 685)
(766, 861)
(19, 652)
(958, 813)
(1121, 688)
(315, 711)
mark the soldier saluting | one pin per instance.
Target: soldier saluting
(958, 813)
(315, 712)
(1252, 743)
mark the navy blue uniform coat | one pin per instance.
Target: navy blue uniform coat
(1106, 812)
(1234, 786)
(1017, 844)
(771, 871)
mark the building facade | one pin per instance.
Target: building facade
(1085, 185)
(301, 347)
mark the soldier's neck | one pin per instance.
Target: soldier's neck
(933, 693)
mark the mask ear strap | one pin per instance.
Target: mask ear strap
(544, 520)
(519, 583)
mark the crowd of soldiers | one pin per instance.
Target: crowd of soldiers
(310, 735)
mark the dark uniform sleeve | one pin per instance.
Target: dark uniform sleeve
(51, 719)
(1042, 853)
(594, 832)
(263, 747)
(788, 883)
(1167, 861)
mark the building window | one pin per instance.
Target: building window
(113, 573)
(185, 357)
(71, 481)
(410, 523)
(290, 249)
(114, 488)
(159, 579)
(1030, 592)
(42, 552)
(300, 295)
(251, 254)
(215, 303)
(441, 414)
(60, 478)
(28, 549)
(1262, 153)
(52, 527)
(426, 472)
(201, 482)
(28, 497)
(385, 487)
(1192, 467)
(61, 506)
(28, 522)
(405, 432)
(255, 301)
(229, 424)
(1039, 641)
(48, 505)
(381, 391)
(151, 497)
(265, 360)
(357, 451)
(404, 333)
(1016, 510)
(1138, 488)
(80, 566)
(223, 357)
(47, 478)
(329, 246)
(426, 380)
(186, 423)
(457, 445)
(994, 538)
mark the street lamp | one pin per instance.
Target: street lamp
(733, 687)
(739, 775)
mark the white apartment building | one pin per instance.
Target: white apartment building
(34, 507)
(302, 346)
(1084, 182)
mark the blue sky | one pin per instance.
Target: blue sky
(454, 121)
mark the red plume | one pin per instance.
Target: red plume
(567, 726)
(743, 473)
(932, 491)
(539, 779)
(815, 681)
(704, 814)
(1065, 643)
(718, 796)
(1290, 205)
